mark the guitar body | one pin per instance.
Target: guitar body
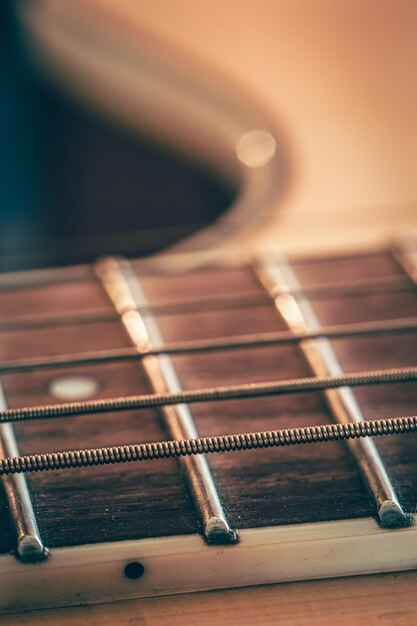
(339, 102)
(304, 117)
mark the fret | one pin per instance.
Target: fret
(29, 544)
(280, 282)
(127, 296)
(255, 341)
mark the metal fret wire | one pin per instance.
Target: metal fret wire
(345, 331)
(210, 394)
(123, 287)
(120, 454)
(29, 546)
(205, 445)
(280, 281)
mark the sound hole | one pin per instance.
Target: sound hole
(78, 186)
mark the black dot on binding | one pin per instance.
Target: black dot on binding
(134, 570)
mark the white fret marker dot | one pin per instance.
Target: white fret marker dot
(73, 387)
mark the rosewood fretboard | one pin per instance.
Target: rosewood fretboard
(255, 488)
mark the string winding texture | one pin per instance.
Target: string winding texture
(210, 394)
(206, 445)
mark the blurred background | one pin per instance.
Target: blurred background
(121, 122)
(76, 184)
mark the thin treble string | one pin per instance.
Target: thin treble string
(224, 302)
(210, 394)
(243, 441)
(346, 331)
(206, 445)
(51, 320)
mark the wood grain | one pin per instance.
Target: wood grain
(296, 485)
(378, 600)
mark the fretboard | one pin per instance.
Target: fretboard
(88, 334)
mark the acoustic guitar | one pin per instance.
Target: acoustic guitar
(236, 408)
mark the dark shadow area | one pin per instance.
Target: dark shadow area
(73, 186)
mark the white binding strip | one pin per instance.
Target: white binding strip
(94, 573)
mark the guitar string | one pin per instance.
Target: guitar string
(358, 287)
(219, 393)
(210, 394)
(180, 448)
(206, 445)
(343, 331)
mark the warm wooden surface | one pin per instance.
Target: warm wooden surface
(372, 600)
(274, 487)
(379, 600)
(338, 77)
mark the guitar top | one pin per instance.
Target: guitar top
(333, 85)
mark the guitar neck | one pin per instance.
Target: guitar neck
(199, 329)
